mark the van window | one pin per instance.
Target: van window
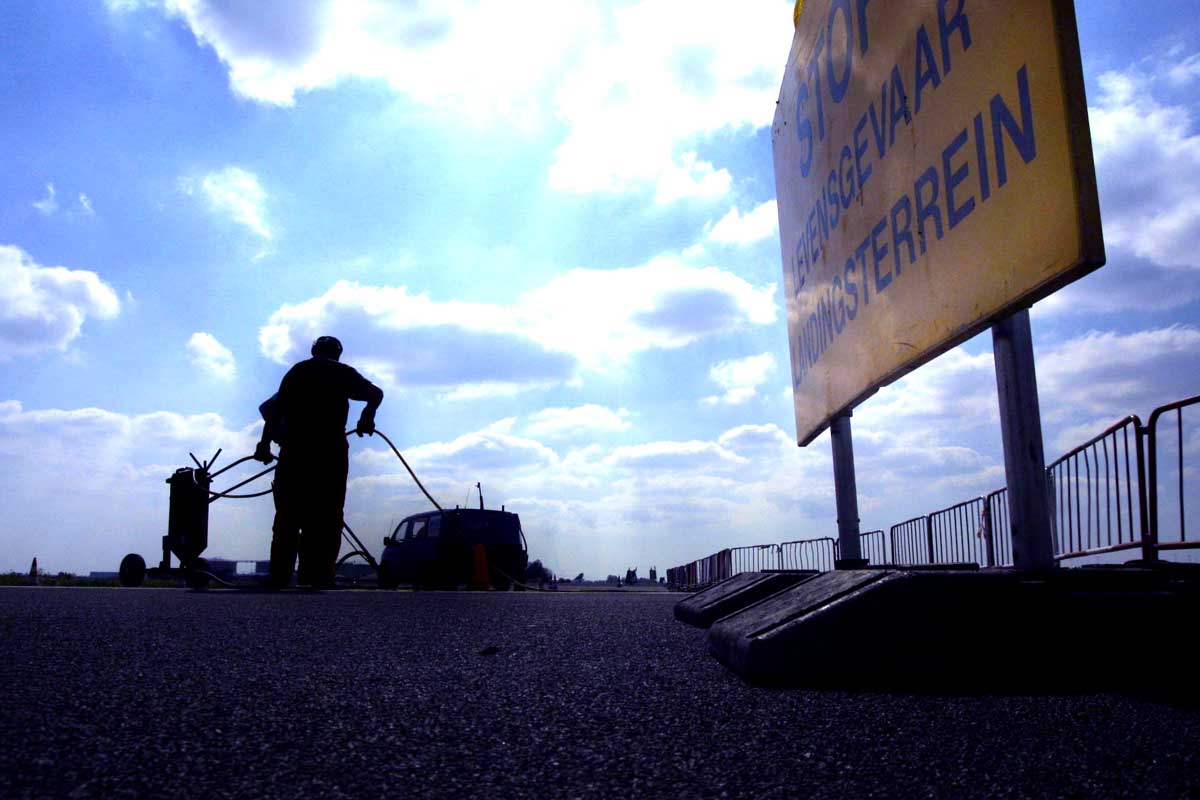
(434, 527)
(418, 528)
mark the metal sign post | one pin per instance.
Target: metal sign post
(846, 491)
(1021, 431)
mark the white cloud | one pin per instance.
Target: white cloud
(659, 77)
(1126, 283)
(211, 356)
(749, 439)
(732, 397)
(687, 456)
(1148, 169)
(43, 309)
(1185, 71)
(235, 193)
(592, 319)
(411, 340)
(636, 86)
(736, 228)
(48, 204)
(486, 451)
(954, 392)
(749, 371)
(585, 420)
(608, 315)
(121, 507)
(482, 58)
(1108, 375)
(740, 378)
(690, 178)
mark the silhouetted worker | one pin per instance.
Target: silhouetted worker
(307, 418)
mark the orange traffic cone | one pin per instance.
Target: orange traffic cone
(479, 569)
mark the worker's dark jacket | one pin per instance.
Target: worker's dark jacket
(307, 418)
(311, 405)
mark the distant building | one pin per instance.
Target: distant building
(355, 570)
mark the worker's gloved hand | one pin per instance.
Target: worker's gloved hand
(262, 452)
(366, 424)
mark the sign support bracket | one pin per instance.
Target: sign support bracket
(1024, 454)
(846, 491)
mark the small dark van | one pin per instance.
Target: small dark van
(437, 549)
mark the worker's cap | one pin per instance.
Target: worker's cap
(327, 347)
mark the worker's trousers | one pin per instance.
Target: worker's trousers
(310, 492)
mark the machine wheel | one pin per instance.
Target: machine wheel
(195, 579)
(133, 570)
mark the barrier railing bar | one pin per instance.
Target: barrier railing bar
(1179, 453)
(1093, 532)
(1149, 531)
(1079, 524)
(1095, 551)
(1108, 494)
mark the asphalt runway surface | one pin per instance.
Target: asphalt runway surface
(149, 693)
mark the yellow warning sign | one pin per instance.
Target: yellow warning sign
(934, 172)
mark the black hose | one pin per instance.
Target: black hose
(524, 586)
(227, 467)
(407, 467)
(263, 493)
(218, 495)
(213, 577)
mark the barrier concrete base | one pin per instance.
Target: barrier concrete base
(704, 608)
(986, 630)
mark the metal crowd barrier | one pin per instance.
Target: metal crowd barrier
(818, 554)
(1127, 488)
(754, 558)
(1096, 495)
(1168, 524)
(911, 542)
(960, 534)
(873, 546)
(999, 527)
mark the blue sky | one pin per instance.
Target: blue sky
(554, 245)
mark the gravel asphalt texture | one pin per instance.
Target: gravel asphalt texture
(152, 693)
